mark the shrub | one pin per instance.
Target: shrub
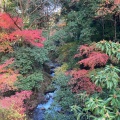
(81, 82)
(14, 104)
(29, 82)
(94, 58)
(107, 78)
(110, 48)
(105, 105)
(28, 59)
(7, 76)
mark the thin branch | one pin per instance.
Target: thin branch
(15, 22)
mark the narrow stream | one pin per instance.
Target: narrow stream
(39, 112)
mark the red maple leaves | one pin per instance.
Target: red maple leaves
(81, 82)
(8, 22)
(16, 102)
(14, 33)
(95, 59)
(85, 50)
(33, 37)
(10, 33)
(92, 58)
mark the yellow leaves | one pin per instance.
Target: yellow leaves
(5, 47)
(104, 9)
(7, 80)
(11, 114)
(62, 24)
(107, 115)
(61, 69)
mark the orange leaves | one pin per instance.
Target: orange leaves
(5, 47)
(7, 80)
(16, 102)
(6, 63)
(95, 59)
(107, 7)
(7, 76)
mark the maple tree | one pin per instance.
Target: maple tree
(11, 31)
(16, 104)
(9, 22)
(81, 82)
(97, 80)
(94, 58)
(34, 37)
(7, 76)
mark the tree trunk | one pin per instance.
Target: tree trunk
(1, 6)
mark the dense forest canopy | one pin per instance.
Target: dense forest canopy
(80, 37)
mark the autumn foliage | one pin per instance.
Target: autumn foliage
(33, 37)
(117, 2)
(12, 33)
(9, 22)
(92, 58)
(15, 103)
(7, 76)
(81, 82)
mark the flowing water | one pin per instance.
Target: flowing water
(39, 112)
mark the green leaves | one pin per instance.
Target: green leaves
(98, 107)
(29, 82)
(114, 99)
(107, 78)
(77, 111)
(110, 48)
(28, 59)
